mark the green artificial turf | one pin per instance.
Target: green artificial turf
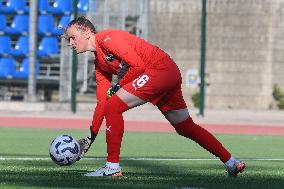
(165, 169)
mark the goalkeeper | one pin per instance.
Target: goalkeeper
(146, 74)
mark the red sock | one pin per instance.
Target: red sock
(114, 127)
(201, 136)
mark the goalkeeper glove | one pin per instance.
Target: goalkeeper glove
(112, 90)
(85, 143)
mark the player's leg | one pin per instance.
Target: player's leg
(114, 108)
(185, 126)
(145, 88)
(174, 109)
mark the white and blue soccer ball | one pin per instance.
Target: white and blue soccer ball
(64, 150)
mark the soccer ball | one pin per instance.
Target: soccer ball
(64, 150)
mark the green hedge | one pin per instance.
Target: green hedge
(278, 95)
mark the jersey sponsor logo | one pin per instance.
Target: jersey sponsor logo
(140, 81)
(110, 57)
(107, 38)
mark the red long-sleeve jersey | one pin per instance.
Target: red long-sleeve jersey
(122, 54)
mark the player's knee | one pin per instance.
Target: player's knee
(176, 116)
(186, 127)
(115, 105)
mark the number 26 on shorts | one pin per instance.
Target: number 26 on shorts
(140, 81)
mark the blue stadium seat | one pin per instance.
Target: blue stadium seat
(5, 45)
(7, 68)
(64, 21)
(22, 47)
(61, 7)
(43, 6)
(48, 47)
(83, 6)
(2, 24)
(45, 25)
(14, 7)
(20, 25)
(23, 72)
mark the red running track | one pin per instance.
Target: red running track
(136, 126)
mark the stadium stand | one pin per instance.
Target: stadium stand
(7, 67)
(2, 24)
(45, 25)
(83, 6)
(64, 20)
(43, 6)
(19, 26)
(23, 72)
(21, 48)
(53, 17)
(48, 47)
(61, 7)
(5, 46)
(13, 7)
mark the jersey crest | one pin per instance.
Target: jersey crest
(110, 57)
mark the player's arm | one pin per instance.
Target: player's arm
(103, 83)
(121, 48)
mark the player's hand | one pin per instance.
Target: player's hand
(85, 143)
(91, 136)
(112, 90)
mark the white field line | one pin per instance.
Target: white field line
(136, 159)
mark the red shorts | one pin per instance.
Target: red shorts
(160, 84)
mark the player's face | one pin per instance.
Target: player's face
(77, 39)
